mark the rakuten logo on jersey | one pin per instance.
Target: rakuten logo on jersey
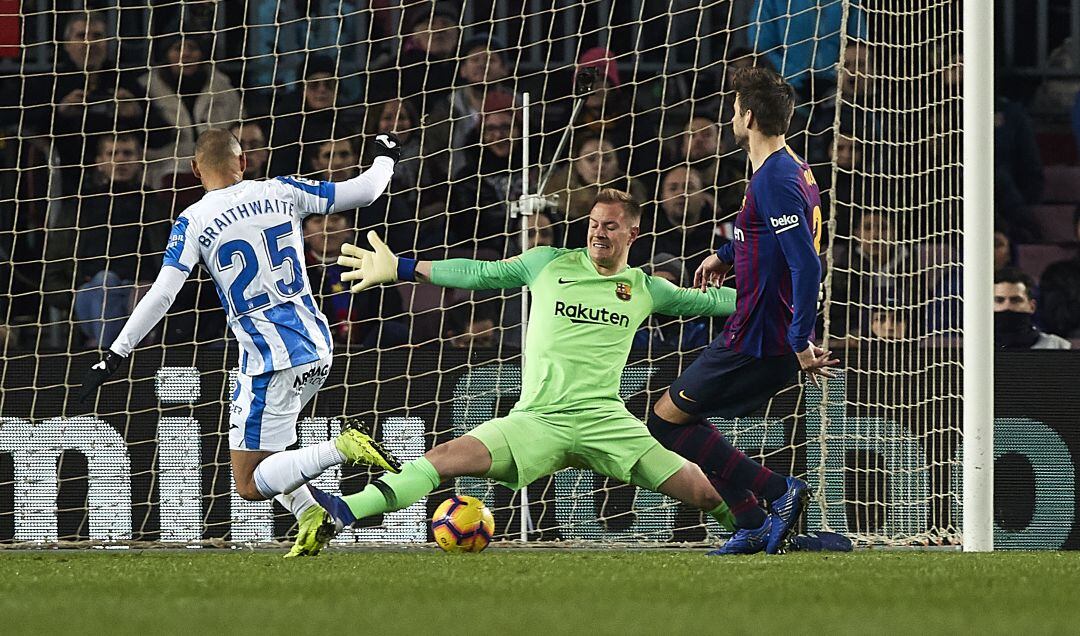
(784, 223)
(580, 314)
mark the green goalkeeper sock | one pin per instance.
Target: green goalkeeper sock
(723, 516)
(395, 491)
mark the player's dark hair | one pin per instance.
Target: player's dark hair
(764, 93)
(483, 307)
(1017, 277)
(584, 138)
(631, 208)
(89, 17)
(131, 136)
(1059, 297)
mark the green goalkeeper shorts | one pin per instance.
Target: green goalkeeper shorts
(526, 446)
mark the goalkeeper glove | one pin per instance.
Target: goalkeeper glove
(388, 145)
(374, 267)
(97, 374)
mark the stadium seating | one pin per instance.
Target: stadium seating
(1055, 222)
(1057, 147)
(1062, 184)
(1033, 259)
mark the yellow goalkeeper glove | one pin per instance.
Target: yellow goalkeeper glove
(370, 267)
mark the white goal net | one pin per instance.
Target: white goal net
(103, 101)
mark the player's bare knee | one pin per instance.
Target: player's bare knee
(666, 410)
(248, 491)
(463, 456)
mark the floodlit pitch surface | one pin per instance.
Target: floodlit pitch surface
(536, 591)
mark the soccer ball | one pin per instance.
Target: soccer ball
(463, 524)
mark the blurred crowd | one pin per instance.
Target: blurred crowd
(103, 152)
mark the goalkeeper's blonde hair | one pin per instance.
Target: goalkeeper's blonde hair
(631, 208)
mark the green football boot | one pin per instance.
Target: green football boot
(316, 529)
(359, 449)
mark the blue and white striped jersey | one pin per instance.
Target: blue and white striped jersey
(250, 237)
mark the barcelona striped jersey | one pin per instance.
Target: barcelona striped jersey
(777, 240)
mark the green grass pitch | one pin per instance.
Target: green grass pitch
(544, 591)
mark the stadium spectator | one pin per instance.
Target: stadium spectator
(594, 165)
(888, 322)
(279, 35)
(331, 160)
(541, 230)
(190, 95)
(871, 265)
(86, 95)
(399, 117)
(801, 38)
(368, 320)
(253, 142)
(314, 114)
(814, 122)
(608, 113)
(116, 245)
(1014, 310)
(848, 187)
(667, 333)
(337, 160)
(721, 168)
(488, 178)
(428, 59)
(1059, 298)
(1003, 253)
(415, 194)
(472, 325)
(452, 123)
(848, 154)
(684, 225)
(1018, 173)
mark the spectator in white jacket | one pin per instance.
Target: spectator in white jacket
(191, 96)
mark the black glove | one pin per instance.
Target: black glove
(97, 374)
(388, 145)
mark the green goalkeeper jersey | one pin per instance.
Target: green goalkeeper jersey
(581, 323)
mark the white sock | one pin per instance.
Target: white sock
(297, 501)
(286, 471)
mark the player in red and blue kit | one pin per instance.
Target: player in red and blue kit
(768, 339)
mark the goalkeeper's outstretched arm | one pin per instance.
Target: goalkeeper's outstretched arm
(678, 301)
(380, 265)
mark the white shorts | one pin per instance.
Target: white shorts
(265, 407)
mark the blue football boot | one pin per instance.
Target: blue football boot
(786, 512)
(820, 541)
(747, 540)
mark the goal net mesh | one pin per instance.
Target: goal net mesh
(101, 108)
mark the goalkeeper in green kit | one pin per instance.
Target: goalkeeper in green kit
(586, 306)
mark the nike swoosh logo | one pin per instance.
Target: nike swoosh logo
(563, 281)
(684, 396)
(232, 426)
(389, 143)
